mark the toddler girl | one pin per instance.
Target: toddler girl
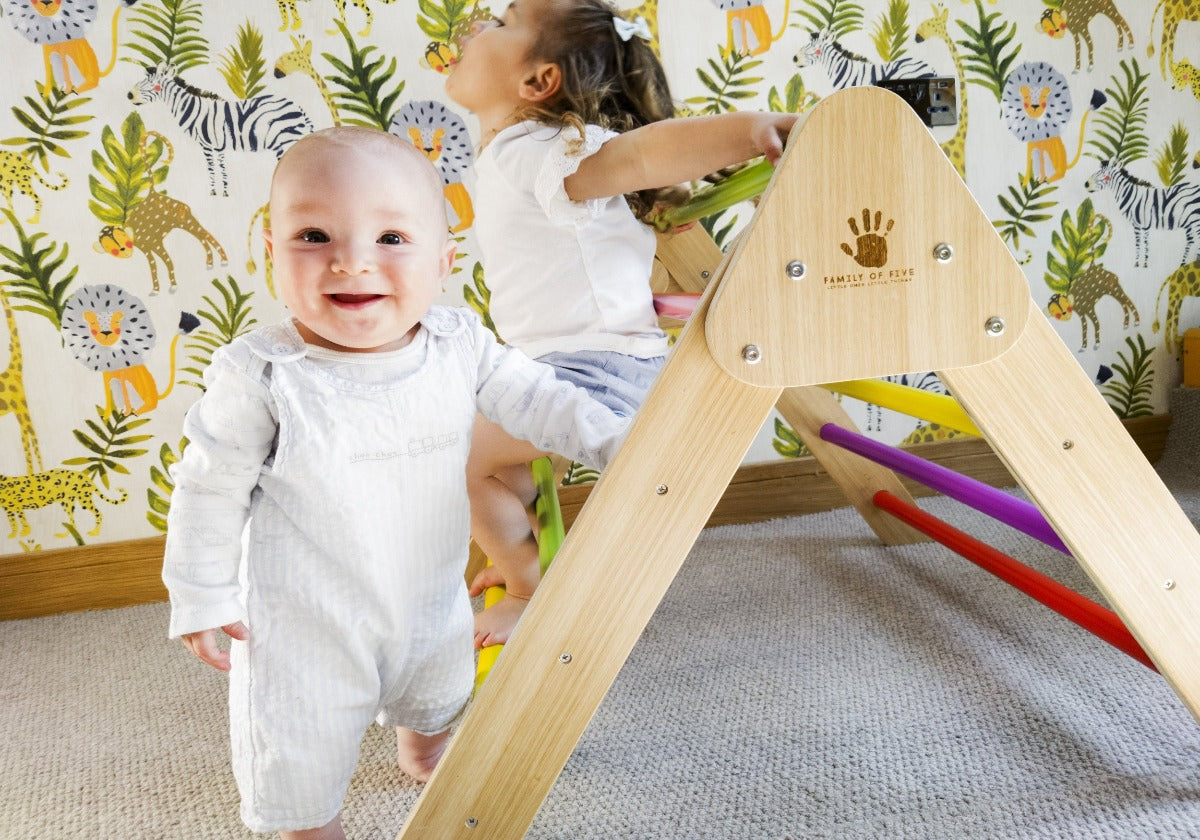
(577, 136)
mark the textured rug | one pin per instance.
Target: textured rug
(798, 681)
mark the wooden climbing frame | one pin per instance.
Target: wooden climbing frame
(866, 257)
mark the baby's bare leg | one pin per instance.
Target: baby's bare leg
(418, 754)
(501, 490)
(332, 830)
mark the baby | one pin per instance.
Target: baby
(320, 513)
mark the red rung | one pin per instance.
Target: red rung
(1089, 615)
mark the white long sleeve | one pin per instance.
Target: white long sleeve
(529, 402)
(229, 431)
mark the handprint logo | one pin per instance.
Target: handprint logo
(871, 245)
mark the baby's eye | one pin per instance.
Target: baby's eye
(313, 236)
(391, 239)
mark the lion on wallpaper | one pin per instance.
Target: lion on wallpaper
(60, 27)
(109, 331)
(1036, 106)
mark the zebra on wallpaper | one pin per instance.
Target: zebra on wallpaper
(260, 123)
(1146, 206)
(846, 69)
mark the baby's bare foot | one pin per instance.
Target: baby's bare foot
(488, 576)
(494, 625)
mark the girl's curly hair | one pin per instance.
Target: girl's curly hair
(615, 84)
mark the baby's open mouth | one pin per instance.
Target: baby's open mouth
(347, 298)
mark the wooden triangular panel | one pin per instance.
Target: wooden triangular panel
(869, 197)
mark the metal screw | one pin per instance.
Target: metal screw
(1168, 584)
(472, 822)
(751, 355)
(994, 325)
(796, 269)
(564, 658)
(704, 275)
(661, 489)
(1067, 444)
(943, 252)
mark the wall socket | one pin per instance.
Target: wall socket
(934, 98)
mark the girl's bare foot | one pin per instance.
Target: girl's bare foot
(419, 754)
(488, 576)
(494, 625)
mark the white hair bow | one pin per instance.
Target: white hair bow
(626, 29)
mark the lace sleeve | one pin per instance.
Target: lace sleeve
(567, 150)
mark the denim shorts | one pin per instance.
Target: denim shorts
(615, 379)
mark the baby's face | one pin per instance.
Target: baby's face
(359, 245)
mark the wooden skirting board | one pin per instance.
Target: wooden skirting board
(123, 574)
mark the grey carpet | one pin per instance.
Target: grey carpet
(798, 681)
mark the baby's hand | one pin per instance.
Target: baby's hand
(203, 644)
(771, 133)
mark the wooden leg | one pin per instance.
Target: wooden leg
(806, 409)
(613, 569)
(1046, 420)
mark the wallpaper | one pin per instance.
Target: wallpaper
(137, 140)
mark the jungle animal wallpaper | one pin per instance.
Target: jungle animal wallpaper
(137, 140)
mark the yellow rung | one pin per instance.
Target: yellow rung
(936, 408)
(487, 656)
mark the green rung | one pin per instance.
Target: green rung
(551, 533)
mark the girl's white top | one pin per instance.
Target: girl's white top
(350, 469)
(564, 275)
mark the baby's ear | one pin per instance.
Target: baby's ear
(269, 242)
(446, 264)
(542, 84)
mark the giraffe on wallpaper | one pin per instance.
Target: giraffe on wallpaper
(12, 392)
(1181, 283)
(1174, 12)
(299, 60)
(936, 27)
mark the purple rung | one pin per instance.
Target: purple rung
(1017, 513)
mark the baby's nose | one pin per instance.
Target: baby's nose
(352, 259)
